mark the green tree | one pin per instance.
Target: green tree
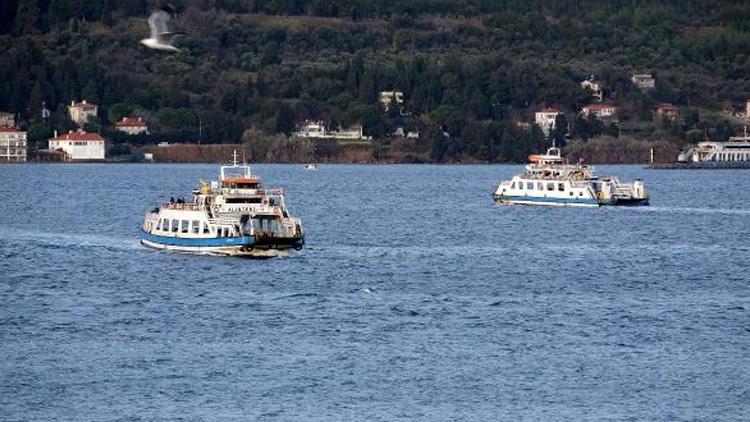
(270, 54)
(117, 111)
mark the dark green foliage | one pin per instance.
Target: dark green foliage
(469, 69)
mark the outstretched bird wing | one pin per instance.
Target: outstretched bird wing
(158, 24)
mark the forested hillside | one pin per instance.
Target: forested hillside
(470, 70)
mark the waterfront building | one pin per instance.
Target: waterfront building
(79, 145)
(388, 97)
(12, 145)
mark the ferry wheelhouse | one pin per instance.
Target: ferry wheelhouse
(548, 180)
(238, 216)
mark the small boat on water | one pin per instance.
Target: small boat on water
(232, 216)
(310, 167)
(548, 180)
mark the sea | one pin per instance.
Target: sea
(415, 298)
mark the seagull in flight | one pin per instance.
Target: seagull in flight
(161, 38)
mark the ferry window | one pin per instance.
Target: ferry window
(520, 185)
(550, 186)
(185, 226)
(513, 185)
(196, 227)
(175, 225)
(540, 186)
(561, 187)
(205, 229)
(530, 185)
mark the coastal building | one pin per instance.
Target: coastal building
(81, 112)
(132, 125)
(643, 81)
(603, 112)
(7, 119)
(388, 97)
(545, 119)
(79, 145)
(595, 87)
(12, 145)
(666, 111)
(310, 129)
(317, 129)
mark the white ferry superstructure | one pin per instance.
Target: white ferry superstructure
(547, 180)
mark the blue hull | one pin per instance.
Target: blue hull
(213, 242)
(531, 200)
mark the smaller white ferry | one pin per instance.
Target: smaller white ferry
(548, 180)
(310, 167)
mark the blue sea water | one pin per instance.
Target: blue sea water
(415, 298)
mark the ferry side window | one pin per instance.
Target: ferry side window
(539, 186)
(175, 225)
(561, 187)
(185, 226)
(205, 228)
(513, 185)
(196, 227)
(550, 186)
(529, 185)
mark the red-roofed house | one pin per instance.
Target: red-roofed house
(12, 145)
(545, 119)
(80, 112)
(7, 119)
(79, 145)
(132, 125)
(601, 111)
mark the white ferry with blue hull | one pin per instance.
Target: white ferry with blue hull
(547, 180)
(233, 216)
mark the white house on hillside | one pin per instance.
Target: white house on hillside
(595, 87)
(601, 111)
(387, 98)
(79, 145)
(132, 125)
(545, 119)
(12, 145)
(643, 81)
(80, 112)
